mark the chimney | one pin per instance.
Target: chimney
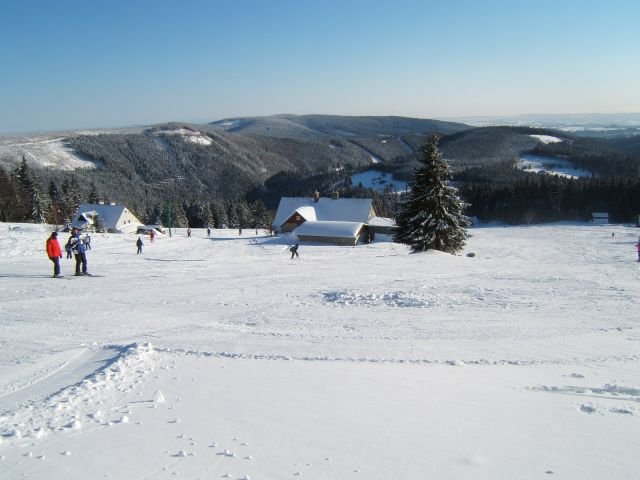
(316, 196)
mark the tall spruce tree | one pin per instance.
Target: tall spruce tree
(432, 218)
(71, 197)
(37, 203)
(56, 203)
(219, 214)
(260, 216)
(93, 197)
(9, 210)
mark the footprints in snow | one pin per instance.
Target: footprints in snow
(608, 392)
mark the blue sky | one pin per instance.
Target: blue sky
(87, 64)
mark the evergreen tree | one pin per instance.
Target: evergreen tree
(260, 216)
(56, 214)
(204, 213)
(199, 214)
(219, 214)
(243, 213)
(432, 216)
(98, 224)
(9, 203)
(38, 205)
(36, 202)
(179, 216)
(93, 194)
(153, 215)
(232, 215)
(71, 197)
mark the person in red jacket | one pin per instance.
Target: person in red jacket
(54, 253)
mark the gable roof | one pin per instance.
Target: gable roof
(109, 214)
(329, 229)
(325, 209)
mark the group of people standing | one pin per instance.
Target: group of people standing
(75, 246)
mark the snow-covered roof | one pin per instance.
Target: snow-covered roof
(329, 229)
(308, 212)
(109, 214)
(325, 209)
(382, 222)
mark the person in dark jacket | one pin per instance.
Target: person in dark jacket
(54, 253)
(78, 251)
(139, 245)
(294, 251)
(67, 248)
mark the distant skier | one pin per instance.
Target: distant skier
(188, 232)
(294, 251)
(139, 245)
(54, 253)
(208, 232)
(152, 235)
(87, 242)
(638, 249)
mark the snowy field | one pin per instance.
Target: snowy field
(221, 357)
(378, 180)
(46, 151)
(551, 166)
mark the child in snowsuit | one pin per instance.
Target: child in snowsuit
(139, 245)
(294, 251)
(67, 248)
(54, 253)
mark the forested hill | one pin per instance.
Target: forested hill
(186, 162)
(488, 145)
(177, 162)
(189, 165)
(335, 126)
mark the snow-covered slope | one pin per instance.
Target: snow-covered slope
(43, 151)
(222, 358)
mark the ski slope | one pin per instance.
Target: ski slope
(222, 358)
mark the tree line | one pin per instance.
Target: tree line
(23, 199)
(548, 198)
(219, 184)
(500, 193)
